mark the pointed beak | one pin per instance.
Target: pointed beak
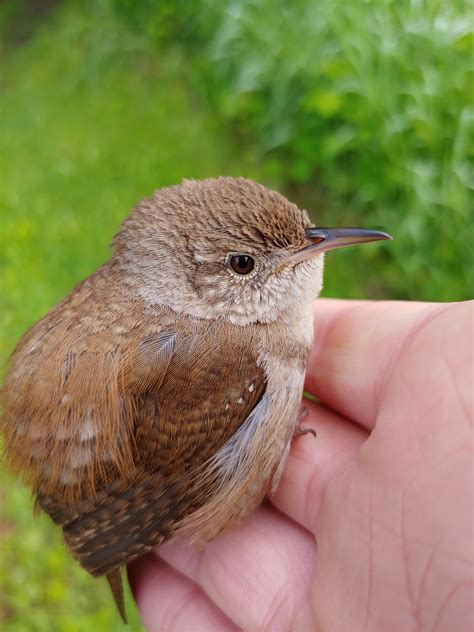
(324, 239)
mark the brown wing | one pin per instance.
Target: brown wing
(184, 389)
(212, 384)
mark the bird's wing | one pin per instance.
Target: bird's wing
(66, 424)
(211, 384)
(114, 426)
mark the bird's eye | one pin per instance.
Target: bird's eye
(241, 263)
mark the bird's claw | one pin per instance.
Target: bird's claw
(301, 430)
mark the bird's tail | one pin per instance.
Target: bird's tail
(115, 582)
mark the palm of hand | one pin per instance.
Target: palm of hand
(391, 510)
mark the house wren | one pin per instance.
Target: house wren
(159, 399)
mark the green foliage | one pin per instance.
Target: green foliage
(369, 105)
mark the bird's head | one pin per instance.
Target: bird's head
(227, 248)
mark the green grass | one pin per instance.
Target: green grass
(91, 121)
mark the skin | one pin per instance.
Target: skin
(371, 527)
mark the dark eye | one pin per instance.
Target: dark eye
(241, 264)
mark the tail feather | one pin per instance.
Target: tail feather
(115, 582)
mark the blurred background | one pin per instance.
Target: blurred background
(362, 113)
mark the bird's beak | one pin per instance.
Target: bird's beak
(324, 239)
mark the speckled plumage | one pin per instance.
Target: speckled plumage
(160, 397)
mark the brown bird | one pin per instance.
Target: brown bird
(159, 399)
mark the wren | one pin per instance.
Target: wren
(159, 399)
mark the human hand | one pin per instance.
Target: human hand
(371, 527)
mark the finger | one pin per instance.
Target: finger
(314, 461)
(258, 574)
(357, 345)
(169, 601)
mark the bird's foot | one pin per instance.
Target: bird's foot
(301, 430)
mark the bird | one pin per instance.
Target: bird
(160, 398)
